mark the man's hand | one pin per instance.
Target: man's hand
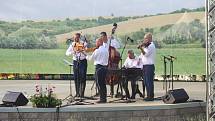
(79, 50)
(142, 50)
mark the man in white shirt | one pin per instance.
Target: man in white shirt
(131, 62)
(77, 50)
(111, 41)
(114, 56)
(148, 52)
(100, 57)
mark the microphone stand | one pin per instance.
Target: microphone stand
(165, 76)
(69, 98)
(79, 101)
(122, 75)
(170, 59)
(171, 68)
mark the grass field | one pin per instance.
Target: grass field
(134, 25)
(189, 61)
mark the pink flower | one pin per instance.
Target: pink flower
(37, 90)
(51, 91)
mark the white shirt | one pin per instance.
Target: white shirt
(149, 57)
(100, 56)
(133, 63)
(114, 43)
(76, 55)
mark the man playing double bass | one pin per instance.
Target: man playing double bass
(109, 42)
(113, 59)
(77, 49)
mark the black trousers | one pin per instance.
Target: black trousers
(80, 72)
(133, 85)
(148, 77)
(100, 73)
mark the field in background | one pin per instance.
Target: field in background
(189, 60)
(190, 56)
(134, 25)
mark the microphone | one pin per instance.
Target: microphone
(172, 57)
(114, 28)
(128, 38)
(165, 57)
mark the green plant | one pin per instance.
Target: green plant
(46, 99)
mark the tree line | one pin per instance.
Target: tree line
(41, 35)
(182, 33)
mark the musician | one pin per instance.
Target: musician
(100, 58)
(111, 41)
(77, 50)
(114, 57)
(148, 52)
(131, 61)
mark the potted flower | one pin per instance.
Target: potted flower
(45, 99)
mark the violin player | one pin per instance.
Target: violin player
(77, 50)
(148, 52)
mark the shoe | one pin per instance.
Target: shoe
(77, 95)
(148, 99)
(96, 95)
(101, 101)
(133, 97)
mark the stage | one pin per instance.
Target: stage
(145, 111)
(136, 111)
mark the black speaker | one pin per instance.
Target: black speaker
(14, 99)
(175, 96)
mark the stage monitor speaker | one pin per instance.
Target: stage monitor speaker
(14, 99)
(176, 96)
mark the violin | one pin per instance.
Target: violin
(80, 47)
(143, 45)
(146, 42)
(91, 49)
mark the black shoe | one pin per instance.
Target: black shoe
(102, 101)
(96, 95)
(77, 95)
(148, 99)
(133, 97)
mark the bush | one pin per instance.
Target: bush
(45, 99)
(28, 42)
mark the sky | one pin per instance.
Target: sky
(59, 9)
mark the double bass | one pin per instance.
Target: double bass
(113, 64)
